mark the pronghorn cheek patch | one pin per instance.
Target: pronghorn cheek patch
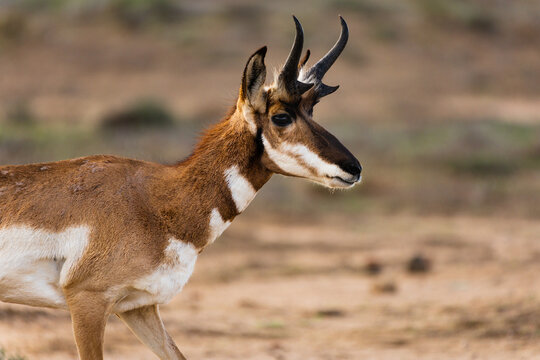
(241, 189)
(284, 161)
(313, 160)
(299, 160)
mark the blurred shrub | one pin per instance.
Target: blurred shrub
(13, 25)
(136, 13)
(20, 113)
(36, 5)
(483, 165)
(143, 114)
(458, 13)
(533, 153)
(386, 32)
(366, 7)
(5, 356)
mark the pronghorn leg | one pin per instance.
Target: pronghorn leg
(146, 324)
(89, 313)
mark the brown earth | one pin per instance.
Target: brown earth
(439, 99)
(269, 290)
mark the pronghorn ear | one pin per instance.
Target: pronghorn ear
(253, 79)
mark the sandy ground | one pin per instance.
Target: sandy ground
(289, 289)
(270, 289)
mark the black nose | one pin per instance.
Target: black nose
(353, 168)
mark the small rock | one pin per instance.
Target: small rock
(330, 313)
(385, 287)
(373, 267)
(419, 264)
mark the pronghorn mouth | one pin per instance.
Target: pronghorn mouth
(347, 182)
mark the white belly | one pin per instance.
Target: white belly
(169, 278)
(35, 264)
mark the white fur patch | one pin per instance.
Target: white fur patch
(299, 160)
(248, 115)
(241, 189)
(302, 77)
(166, 281)
(313, 160)
(35, 264)
(285, 162)
(217, 225)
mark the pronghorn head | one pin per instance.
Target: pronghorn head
(281, 116)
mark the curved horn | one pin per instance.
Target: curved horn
(317, 71)
(289, 73)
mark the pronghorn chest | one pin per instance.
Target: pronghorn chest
(168, 279)
(165, 281)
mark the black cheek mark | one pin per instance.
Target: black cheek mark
(259, 148)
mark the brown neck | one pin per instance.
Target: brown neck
(223, 173)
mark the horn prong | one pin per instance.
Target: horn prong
(304, 59)
(324, 90)
(303, 87)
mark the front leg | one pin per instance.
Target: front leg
(89, 312)
(146, 324)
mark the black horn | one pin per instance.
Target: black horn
(288, 76)
(316, 73)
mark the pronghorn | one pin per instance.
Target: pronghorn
(102, 234)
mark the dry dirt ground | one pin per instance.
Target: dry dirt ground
(271, 289)
(291, 289)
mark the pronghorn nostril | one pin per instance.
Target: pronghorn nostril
(353, 168)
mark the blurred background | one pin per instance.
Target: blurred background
(435, 255)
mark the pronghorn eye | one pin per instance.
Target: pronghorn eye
(282, 119)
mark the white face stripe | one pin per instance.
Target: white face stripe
(313, 160)
(285, 162)
(35, 264)
(241, 189)
(217, 225)
(299, 160)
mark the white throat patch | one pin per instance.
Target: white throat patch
(217, 225)
(167, 280)
(241, 189)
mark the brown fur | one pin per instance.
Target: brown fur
(134, 207)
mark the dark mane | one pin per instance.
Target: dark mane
(206, 137)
